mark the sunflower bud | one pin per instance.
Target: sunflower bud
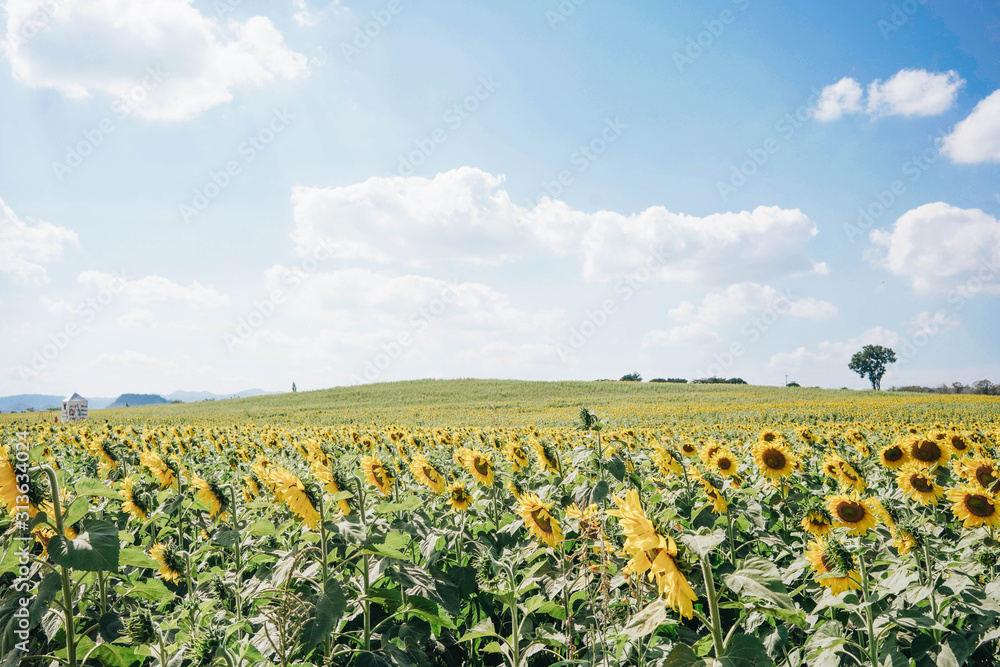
(140, 629)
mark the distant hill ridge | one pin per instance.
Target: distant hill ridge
(132, 400)
(41, 402)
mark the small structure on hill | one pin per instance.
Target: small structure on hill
(74, 408)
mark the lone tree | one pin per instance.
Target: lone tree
(871, 361)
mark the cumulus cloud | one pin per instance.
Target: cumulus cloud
(696, 333)
(745, 298)
(464, 215)
(838, 99)
(914, 92)
(25, 247)
(835, 352)
(156, 289)
(937, 246)
(82, 47)
(977, 138)
(910, 92)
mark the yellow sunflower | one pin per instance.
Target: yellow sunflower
(817, 521)
(458, 497)
(291, 491)
(926, 453)
(426, 474)
(376, 474)
(892, 456)
(539, 520)
(974, 506)
(904, 542)
(719, 504)
(158, 467)
(516, 455)
(134, 503)
(982, 471)
(212, 495)
(479, 466)
(8, 481)
(171, 565)
(325, 475)
(689, 449)
(918, 485)
(770, 437)
(724, 463)
(774, 460)
(852, 512)
(833, 566)
(959, 445)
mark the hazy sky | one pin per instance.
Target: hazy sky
(216, 195)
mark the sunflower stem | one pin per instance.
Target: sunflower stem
(66, 587)
(732, 541)
(930, 584)
(713, 607)
(869, 615)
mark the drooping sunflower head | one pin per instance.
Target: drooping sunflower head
(848, 476)
(974, 506)
(719, 504)
(213, 495)
(140, 629)
(919, 485)
(926, 452)
(138, 499)
(427, 474)
(892, 456)
(171, 564)
(480, 467)
(205, 645)
(904, 542)
(774, 461)
(540, 522)
(517, 455)
(458, 497)
(376, 474)
(301, 499)
(853, 512)
(833, 565)
(817, 521)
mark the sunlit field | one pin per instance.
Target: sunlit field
(506, 523)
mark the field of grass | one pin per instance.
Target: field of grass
(443, 523)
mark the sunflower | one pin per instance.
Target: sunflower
(959, 445)
(158, 467)
(458, 497)
(171, 565)
(135, 503)
(926, 453)
(539, 521)
(210, 493)
(8, 481)
(546, 456)
(818, 522)
(479, 466)
(325, 475)
(770, 437)
(426, 474)
(719, 504)
(724, 463)
(904, 542)
(774, 460)
(918, 485)
(665, 461)
(652, 552)
(832, 564)
(982, 471)
(689, 449)
(975, 507)
(290, 490)
(853, 512)
(376, 474)
(708, 451)
(588, 520)
(892, 456)
(516, 455)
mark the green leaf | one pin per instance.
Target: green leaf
(759, 578)
(150, 589)
(703, 541)
(342, 495)
(136, 558)
(616, 466)
(682, 656)
(646, 621)
(225, 537)
(94, 550)
(262, 528)
(483, 628)
(93, 487)
(116, 656)
(745, 651)
(429, 611)
(110, 626)
(408, 505)
(330, 606)
(76, 511)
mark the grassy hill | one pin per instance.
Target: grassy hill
(513, 402)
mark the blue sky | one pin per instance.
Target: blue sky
(254, 193)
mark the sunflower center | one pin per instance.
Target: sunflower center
(724, 464)
(958, 444)
(542, 520)
(431, 474)
(980, 506)
(984, 475)
(927, 451)
(769, 437)
(921, 484)
(893, 454)
(481, 466)
(851, 512)
(774, 459)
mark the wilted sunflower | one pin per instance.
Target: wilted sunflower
(458, 497)
(892, 456)
(926, 453)
(817, 521)
(479, 466)
(852, 512)
(774, 460)
(588, 519)
(848, 476)
(918, 485)
(974, 506)
(171, 565)
(213, 495)
(832, 564)
(290, 490)
(427, 474)
(539, 520)
(665, 461)
(652, 552)
(904, 542)
(376, 474)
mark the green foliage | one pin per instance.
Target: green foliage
(872, 361)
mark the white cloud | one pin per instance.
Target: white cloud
(910, 92)
(306, 18)
(696, 333)
(977, 138)
(926, 321)
(136, 318)
(24, 247)
(837, 99)
(153, 289)
(105, 46)
(937, 246)
(836, 352)
(744, 298)
(914, 92)
(464, 215)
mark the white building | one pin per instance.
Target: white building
(74, 408)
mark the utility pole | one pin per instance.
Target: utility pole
(786, 379)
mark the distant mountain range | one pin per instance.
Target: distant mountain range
(40, 402)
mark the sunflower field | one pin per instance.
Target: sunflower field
(831, 532)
